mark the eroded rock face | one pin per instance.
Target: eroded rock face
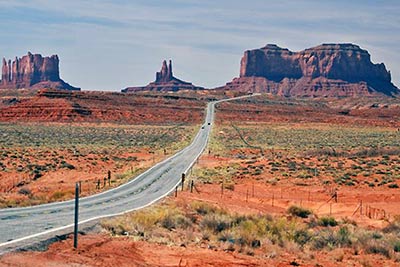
(325, 70)
(33, 71)
(165, 81)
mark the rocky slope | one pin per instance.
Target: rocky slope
(33, 71)
(325, 70)
(165, 81)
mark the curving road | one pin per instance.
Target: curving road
(20, 227)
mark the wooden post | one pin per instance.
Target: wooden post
(273, 199)
(222, 188)
(191, 186)
(252, 191)
(76, 215)
(109, 177)
(247, 195)
(176, 191)
(361, 211)
(183, 181)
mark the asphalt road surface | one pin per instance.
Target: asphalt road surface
(20, 227)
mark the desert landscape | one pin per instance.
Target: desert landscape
(263, 189)
(295, 161)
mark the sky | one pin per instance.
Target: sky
(113, 44)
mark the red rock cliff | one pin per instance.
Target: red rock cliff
(325, 70)
(33, 71)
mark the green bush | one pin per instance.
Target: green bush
(299, 211)
(396, 246)
(327, 221)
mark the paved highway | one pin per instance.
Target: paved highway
(22, 226)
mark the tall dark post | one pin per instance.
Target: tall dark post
(76, 215)
(183, 180)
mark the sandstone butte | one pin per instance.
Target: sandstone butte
(165, 81)
(327, 70)
(34, 72)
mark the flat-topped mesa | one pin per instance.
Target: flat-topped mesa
(33, 71)
(327, 69)
(165, 81)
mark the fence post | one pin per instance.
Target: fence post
(183, 180)
(273, 199)
(76, 215)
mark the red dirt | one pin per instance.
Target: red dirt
(101, 250)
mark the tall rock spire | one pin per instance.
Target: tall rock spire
(170, 75)
(4, 69)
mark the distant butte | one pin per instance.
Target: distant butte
(326, 70)
(165, 81)
(33, 72)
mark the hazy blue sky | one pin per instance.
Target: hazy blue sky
(112, 44)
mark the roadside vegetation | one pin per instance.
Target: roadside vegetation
(206, 225)
(31, 152)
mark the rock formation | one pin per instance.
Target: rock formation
(325, 70)
(33, 71)
(165, 81)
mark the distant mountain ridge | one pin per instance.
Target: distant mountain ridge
(324, 70)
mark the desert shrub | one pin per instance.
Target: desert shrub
(299, 211)
(327, 221)
(377, 247)
(396, 246)
(203, 208)
(393, 186)
(25, 191)
(216, 222)
(393, 227)
(328, 238)
(343, 236)
(67, 165)
(323, 239)
(174, 221)
(58, 195)
(302, 237)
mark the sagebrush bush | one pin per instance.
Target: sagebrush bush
(327, 221)
(299, 211)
